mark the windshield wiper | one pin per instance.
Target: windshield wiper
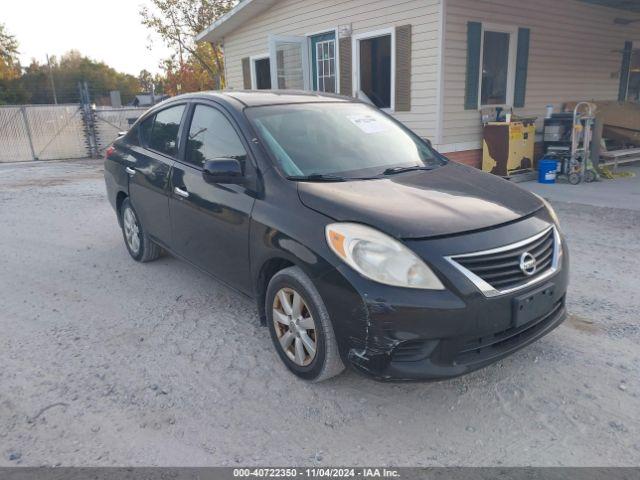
(395, 170)
(317, 177)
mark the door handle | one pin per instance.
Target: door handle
(130, 171)
(180, 192)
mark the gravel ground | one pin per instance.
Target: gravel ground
(107, 362)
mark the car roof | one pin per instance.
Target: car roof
(260, 98)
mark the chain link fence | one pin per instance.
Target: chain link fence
(14, 137)
(56, 132)
(109, 122)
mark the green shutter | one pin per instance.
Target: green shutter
(474, 41)
(522, 65)
(624, 72)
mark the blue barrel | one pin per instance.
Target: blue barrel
(547, 169)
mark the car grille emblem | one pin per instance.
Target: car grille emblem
(528, 264)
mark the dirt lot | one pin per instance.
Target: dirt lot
(107, 362)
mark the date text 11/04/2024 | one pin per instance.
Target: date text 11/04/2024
(316, 472)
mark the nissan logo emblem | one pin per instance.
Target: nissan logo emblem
(528, 264)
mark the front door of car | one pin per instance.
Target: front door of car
(210, 221)
(149, 175)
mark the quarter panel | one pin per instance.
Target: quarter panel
(115, 176)
(148, 190)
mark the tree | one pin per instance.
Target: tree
(9, 64)
(148, 82)
(145, 80)
(68, 71)
(10, 91)
(178, 22)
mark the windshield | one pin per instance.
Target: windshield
(338, 141)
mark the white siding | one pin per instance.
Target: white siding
(572, 57)
(300, 17)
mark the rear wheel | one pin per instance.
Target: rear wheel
(574, 178)
(139, 245)
(300, 326)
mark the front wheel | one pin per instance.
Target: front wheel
(300, 326)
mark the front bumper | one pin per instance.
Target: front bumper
(428, 357)
(402, 334)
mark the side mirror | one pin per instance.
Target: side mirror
(223, 170)
(428, 142)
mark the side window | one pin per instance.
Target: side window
(211, 136)
(132, 137)
(160, 132)
(144, 130)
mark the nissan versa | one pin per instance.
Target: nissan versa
(361, 244)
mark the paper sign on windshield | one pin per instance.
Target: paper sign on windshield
(368, 123)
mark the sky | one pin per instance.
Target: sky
(104, 30)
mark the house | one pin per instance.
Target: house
(148, 99)
(434, 64)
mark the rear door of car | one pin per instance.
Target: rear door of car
(210, 222)
(158, 138)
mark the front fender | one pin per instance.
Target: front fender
(276, 239)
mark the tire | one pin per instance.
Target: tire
(309, 311)
(590, 176)
(574, 179)
(139, 245)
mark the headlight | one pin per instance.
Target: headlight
(380, 257)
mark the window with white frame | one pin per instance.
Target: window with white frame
(289, 62)
(325, 66)
(374, 68)
(308, 62)
(498, 65)
(261, 72)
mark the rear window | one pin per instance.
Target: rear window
(160, 132)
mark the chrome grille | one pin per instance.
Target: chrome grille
(499, 271)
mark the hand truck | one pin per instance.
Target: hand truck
(579, 166)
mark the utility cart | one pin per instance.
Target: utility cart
(567, 138)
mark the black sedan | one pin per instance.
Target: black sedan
(361, 244)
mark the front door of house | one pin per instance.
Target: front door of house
(323, 62)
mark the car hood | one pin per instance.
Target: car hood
(450, 199)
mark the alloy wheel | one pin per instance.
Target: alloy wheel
(131, 230)
(295, 327)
